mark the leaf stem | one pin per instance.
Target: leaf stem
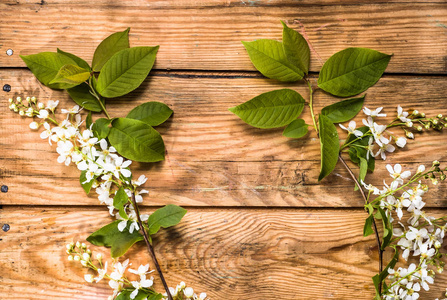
(149, 247)
(98, 98)
(311, 104)
(379, 244)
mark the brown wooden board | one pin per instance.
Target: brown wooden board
(229, 253)
(214, 158)
(207, 35)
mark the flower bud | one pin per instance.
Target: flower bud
(409, 124)
(88, 278)
(22, 113)
(440, 270)
(83, 246)
(415, 112)
(40, 105)
(89, 251)
(19, 99)
(436, 163)
(33, 125)
(10, 100)
(435, 122)
(438, 244)
(434, 181)
(77, 258)
(410, 135)
(28, 99)
(78, 245)
(422, 115)
(442, 177)
(182, 285)
(439, 116)
(84, 263)
(99, 256)
(421, 169)
(33, 99)
(202, 296)
(419, 128)
(189, 292)
(86, 256)
(16, 109)
(427, 126)
(70, 257)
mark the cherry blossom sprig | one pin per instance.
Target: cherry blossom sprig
(84, 145)
(422, 235)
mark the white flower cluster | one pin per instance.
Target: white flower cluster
(182, 292)
(100, 161)
(379, 134)
(422, 236)
(118, 280)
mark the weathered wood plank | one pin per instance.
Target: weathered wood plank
(206, 35)
(214, 159)
(230, 254)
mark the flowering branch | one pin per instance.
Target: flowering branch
(150, 248)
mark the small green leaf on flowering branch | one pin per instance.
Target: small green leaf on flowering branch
(165, 217)
(387, 229)
(120, 199)
(108, 47)
(344, 110)
(352, 71)
(329, 146)
(87, 186)
(296, 129)
(125, 71)
(357, 149)
(272, 109)
(362, 171)
(142, 295)
(118, 241)
(89, 120)
(378, 279)
(296, 48)
(72, 75)
(136, 140)
(82, 96)
(369, 208)
(269, 58)
(367, 229)
(152, 113)
(79, 61)
(101, 128)
(45, 66)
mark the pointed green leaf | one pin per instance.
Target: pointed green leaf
(72, 75)
(362, 171)
(101, 128)
(89, 120)
(352, 71)
(329, 146)
(108, 47)
(296, 48)
(142, 295)
(165, 217)
(387, 229)
(152, 113)
(125, 71)
(367, 229)
(379, 278)
(45, 66)
(136, 140)
(79, 61)
(296, 129)
(344, 110)
(269, 58)
(119, 241)
(87, 186)
(82, 96)
(272, 109)
(120, 199)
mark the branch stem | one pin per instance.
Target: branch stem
(379, 244)
(311, 105)
(149, 247)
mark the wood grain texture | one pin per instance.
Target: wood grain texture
(206, 35)
(214, 158)
(228, 253)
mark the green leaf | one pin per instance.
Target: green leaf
(72, 75)
(120, 199)
(45, 66)
(272, 109)
(329, 146)
(82, 96)
(125, 295)
(152, 113)
(367, 229)
(387, 229)
(101, 128)
(108, 47)
(165, 217)
(87, 186)
(296, 129)
(357, 149)
(89, 120)
(344, 110)
(379, 278)
(125, 71)
(269, 58)
(119, 241)
(79, 61)
(136, 140)
(362, 171)
(296, 48)
(352, 71)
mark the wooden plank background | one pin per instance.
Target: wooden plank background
(259, 225)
